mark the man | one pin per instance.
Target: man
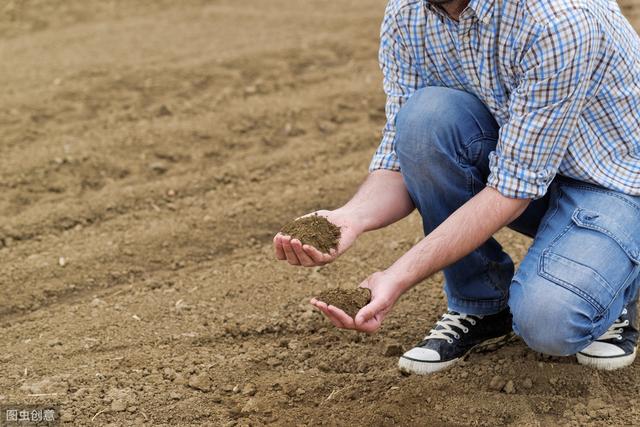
(519, 113)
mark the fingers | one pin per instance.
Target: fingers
(289, 253)
(301, 254)
(277, 247)
(294, 252)
(342, 320)
(343, 317)
(370, 325)
(369, 318)
(369, 313)
(339, 318)
(318, 257)
(324, 308)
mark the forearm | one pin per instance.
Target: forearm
(381, 200)
(463, 232)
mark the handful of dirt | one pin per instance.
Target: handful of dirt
(348, 300)
(314, 230)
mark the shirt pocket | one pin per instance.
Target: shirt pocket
(594, 257)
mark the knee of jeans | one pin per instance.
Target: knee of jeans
(424, 125)
(549, 320)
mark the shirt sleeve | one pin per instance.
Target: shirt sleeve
(544, 108)
(400, 81)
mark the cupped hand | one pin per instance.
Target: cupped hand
(293, 251)
(384, 294)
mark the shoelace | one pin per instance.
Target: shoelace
(448, 321)
(615, 330)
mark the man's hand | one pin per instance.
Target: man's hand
(464, 231)
(292, 250)
(381, 200)
(384, 294)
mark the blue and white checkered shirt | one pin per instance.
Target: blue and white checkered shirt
(562, 79)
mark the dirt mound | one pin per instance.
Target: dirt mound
(349, 300)
(314, 230)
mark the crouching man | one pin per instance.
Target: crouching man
(523, 114)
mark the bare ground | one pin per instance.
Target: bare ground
(149, 151)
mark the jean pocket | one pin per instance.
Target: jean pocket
(595, 257)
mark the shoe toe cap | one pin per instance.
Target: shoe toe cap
(422, 354)
(603, 349)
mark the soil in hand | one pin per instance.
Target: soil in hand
(348, 300)
(314, 230)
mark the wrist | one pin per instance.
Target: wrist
(352, 218)
(402, 278)
(395, 288)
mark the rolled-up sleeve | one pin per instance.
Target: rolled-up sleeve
(400, 81)
(555, 74)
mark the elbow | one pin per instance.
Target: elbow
(518, 206)
(511, 208)
(522, 205)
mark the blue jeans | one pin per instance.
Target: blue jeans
(583, 266)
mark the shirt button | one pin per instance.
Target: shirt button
(466, 38)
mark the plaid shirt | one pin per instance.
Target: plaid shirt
(561, 78)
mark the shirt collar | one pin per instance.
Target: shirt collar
(435, 9)
(483, 9)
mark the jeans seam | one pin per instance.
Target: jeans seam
(472, 139)
(611, 193)
(593, 325)
(504, 291)
(469, 143)
(556, 239)
(477, 137)
(479, 303)
(626, 283)
(469, 177)
(552, 214)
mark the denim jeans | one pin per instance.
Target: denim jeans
(583, 266)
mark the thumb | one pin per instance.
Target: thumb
(369, 311)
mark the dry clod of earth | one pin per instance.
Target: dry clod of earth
(200, 382)
(497, 383)
(393, 349)
(118, 406)
(314, 230)
(249, 390)
(349, 300)
(509, 388)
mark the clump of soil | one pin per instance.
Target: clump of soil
(314, 230)
(349, 300)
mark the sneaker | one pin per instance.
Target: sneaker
(615, 349)
(453, 337)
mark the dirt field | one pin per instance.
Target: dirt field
(149, 152)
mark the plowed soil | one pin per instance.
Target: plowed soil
(149, 152)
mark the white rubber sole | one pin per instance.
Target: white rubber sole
(421, 367)
(418, 367)
(607, 363)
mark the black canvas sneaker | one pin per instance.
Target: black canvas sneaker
(615, 349)
(453, 337)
